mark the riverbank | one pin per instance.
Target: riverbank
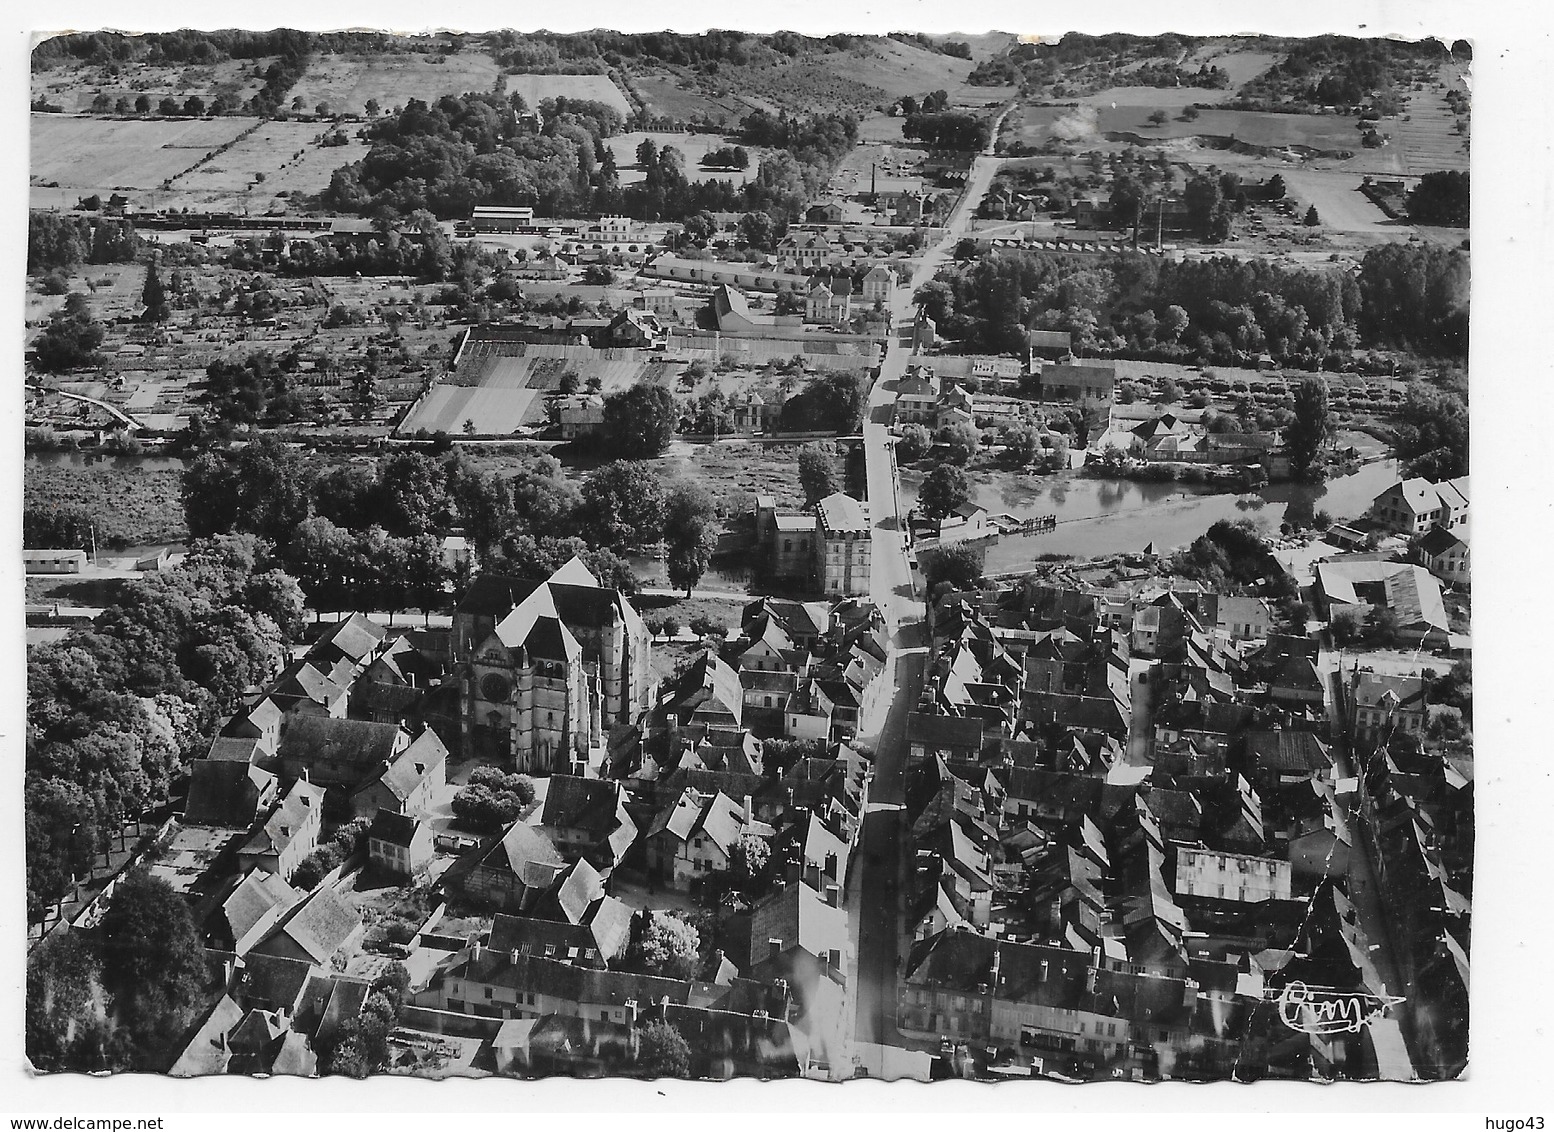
(1097, 517)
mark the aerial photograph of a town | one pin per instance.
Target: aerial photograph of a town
(747, 555)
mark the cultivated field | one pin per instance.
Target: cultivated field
(100, 155)
(596, 88)
(502, 392)
(278, 158)
(1313, 131)
(1428, 142)
(73, 85)
(346, 82)
(693, 146)
(1129, 121)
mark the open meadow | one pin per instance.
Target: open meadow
(693, 146)
(345, 83)
(73, 84)
(594, 88)
(78, 156)
(277, 160)
(859, 80)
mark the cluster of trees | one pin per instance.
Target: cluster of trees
(119, 998)
(471, 149)
(957, 567)
(360, 1046)
(1163, 74)
(944, 488)
(1431, 436)
(1230, 557)
(115, 710)
(330, 855)
(955, 48)
(727, 157)
(354, 537)
(1332, 70)
(492, 800)
(410, 245)
(734, 48)
(482, 149)
(359, 537)
(949, 129)
(59, 241)
(1441, 198)
(256, 390)
(287, 49)
(833, 402)
(639, 422)
(1205, 308)
(1415, 297)
(71, 337)
(934, 102)
(1223, 309)
(665, 944)
(1310, 430)
(1076, 62)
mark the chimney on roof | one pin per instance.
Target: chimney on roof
(834, 895)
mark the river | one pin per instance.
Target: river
(1109, 516)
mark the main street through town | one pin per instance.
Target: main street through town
(878, 879)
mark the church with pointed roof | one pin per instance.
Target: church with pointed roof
(547, 668)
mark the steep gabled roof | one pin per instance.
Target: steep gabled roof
(1287, 751)
(395, 829)
(301, 801)
(412, 766)
(528, 854)
(356, 637)
(495, 595)
(319, 925)
(224, 793)
(204, 1049)
(360, 744)
(259, 896)
(582, 803)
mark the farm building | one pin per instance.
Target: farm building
(493, 218)
(54, 561)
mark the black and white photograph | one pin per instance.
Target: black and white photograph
(714, 555)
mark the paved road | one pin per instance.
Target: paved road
(1364, 891)
(878, 879)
